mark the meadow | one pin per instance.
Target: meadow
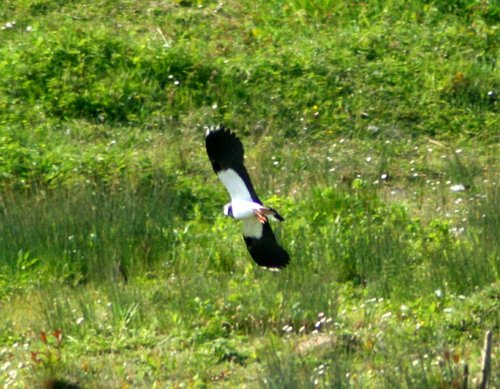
(372, 127)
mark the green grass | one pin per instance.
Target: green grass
(360, 121)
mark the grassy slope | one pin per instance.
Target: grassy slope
(360, 116)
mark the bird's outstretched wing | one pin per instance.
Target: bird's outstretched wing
(226, 154)
(262, 246)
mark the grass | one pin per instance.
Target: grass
(370, 126)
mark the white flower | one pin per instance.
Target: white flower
(386, 316)
(457, 188)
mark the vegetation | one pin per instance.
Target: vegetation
(371, 126)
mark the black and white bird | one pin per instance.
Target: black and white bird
(226, 154)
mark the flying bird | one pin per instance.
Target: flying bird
(226, 154)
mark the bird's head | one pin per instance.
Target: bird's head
(228, 210)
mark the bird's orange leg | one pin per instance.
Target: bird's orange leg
(261, 217)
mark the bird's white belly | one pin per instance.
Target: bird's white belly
(243, 209)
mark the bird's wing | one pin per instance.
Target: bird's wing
(225, 152)
(262, 246)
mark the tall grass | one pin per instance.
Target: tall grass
(95, 232)
(105, 232)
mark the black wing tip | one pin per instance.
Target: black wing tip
(220, 136)
(279, 259)
(224, 148)
(218, 130)
(267, 253)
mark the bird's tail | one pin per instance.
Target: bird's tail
(274, 214)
